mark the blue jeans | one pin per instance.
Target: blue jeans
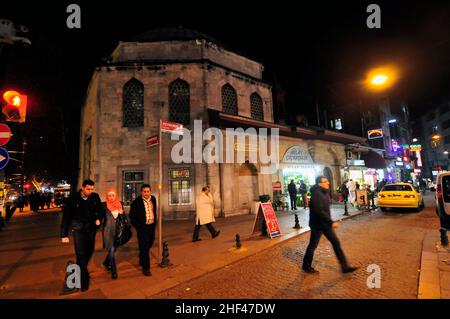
(111, 259)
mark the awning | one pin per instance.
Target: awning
(373, 160)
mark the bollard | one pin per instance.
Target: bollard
(346, 209)
(165, 262)
(238, 241)
(297, 224)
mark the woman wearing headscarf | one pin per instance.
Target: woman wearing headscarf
(112, 207)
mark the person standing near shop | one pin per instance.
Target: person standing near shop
(321, 223)
(303, 190)
(144, 218)
(205, 214)
(83, 212)
(292, 190)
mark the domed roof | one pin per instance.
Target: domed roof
(173, 34)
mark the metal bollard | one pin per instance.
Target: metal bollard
(165, 262)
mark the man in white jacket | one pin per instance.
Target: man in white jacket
(205, 214)
(351, 185)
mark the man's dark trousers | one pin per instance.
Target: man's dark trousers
(314, 241)
(293, 201)
(146, 237)
(84, 248)
(210, 227)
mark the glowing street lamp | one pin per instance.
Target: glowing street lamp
(381, 78)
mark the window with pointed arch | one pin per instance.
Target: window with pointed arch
(133, 103)
(256, 107)
(179, 102)
(229, 100)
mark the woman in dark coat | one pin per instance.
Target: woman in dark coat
(112, 207)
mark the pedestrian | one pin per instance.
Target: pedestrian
(205, 214)
(144, 218)
(352, 191)
(113, 207)
(20, 203)
(357, 186)
(292, 190)
(320, 223)
(344, 192)
(303, 190)
(84, 213)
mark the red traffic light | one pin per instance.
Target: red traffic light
(16, 108)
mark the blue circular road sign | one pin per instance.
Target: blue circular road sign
(4, 158)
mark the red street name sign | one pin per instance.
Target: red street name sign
(171, 127)
(5, 134)
(152, 141)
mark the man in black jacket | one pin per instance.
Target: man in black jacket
(292, 190)
(83, 212)
(143, 218)
(320, 223)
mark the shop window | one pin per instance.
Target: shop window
(133, 104)
(132, 182)
(180, 192)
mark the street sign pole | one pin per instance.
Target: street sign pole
(160, 217)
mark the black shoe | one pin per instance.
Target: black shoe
(196, 239)
(114, 275)
(216, 234)
(349, 269)
(107, 267)
(310, 270)
(147, 273)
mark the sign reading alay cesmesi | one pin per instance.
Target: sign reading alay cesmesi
(266, 221)
(171, 127)
(5, 134)
(377, 133)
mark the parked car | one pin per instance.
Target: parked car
(400, 195)
(442, 195)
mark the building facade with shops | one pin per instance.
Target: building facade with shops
(181, 75)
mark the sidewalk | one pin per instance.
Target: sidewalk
(33, 259)
(434, 281)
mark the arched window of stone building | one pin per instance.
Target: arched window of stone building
(229, 100)
(256, 107)
(179, 102)
(133, 103)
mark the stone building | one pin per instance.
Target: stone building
(181, 75)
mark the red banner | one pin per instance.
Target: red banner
(273, 229)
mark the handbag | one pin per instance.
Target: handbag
(123, 230)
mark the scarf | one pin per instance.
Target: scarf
(114, 206)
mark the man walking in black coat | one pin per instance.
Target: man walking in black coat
(292, 190)
(83, 212)
(143, 218)
(321, 223)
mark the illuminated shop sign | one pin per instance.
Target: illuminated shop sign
(373, 134)
(416, 147)
(395, 146)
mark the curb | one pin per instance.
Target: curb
(429, 276)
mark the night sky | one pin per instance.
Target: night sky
(317, 52)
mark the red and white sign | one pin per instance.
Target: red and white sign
(171, 127)
(5, 134)
(277, 187)
(152, 141)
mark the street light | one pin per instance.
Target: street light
(392, 121)
(415, 140)
(382, 77)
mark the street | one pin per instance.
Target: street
(391, 240)
(33, 260)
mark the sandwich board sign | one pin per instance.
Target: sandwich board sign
(266, 222)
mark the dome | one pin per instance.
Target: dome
(173, 34)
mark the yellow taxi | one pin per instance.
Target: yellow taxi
(400, 195)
